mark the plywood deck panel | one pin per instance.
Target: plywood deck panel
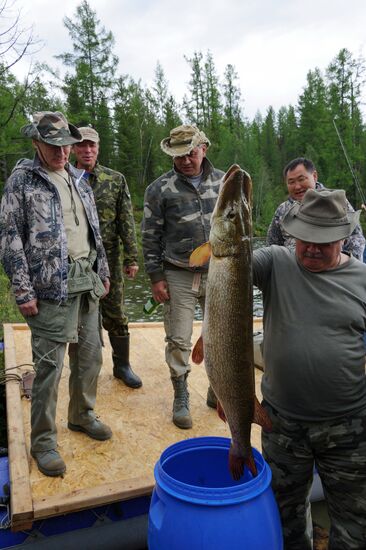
(121, 468)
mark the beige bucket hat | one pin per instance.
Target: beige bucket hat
(89, 134)
(51, 128)
(321, 217)
(182, 140)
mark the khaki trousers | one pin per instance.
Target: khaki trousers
(82, 327)
(179, 315)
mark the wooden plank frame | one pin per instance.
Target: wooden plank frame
(25, 510)
(27, 507)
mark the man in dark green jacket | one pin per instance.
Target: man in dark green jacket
(117, 227)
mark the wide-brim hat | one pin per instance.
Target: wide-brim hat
(182, 140)
(51, 128)
(321, 217)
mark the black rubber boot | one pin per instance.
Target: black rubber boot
(121, 361)
(211, 398)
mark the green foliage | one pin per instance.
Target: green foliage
(132, 119)
(9, 312)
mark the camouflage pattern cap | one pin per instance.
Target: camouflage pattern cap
(52, 128)
(89, 134)
(182, 140)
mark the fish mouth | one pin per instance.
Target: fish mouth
(236, 188)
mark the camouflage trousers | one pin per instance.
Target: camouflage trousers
(338, 450)
(114, 318)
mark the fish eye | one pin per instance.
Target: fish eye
(231, 213)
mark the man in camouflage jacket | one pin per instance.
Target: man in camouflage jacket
(177, 212)
(117, 226)
(52, 252)
(300, 174)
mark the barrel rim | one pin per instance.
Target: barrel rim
(211, 496)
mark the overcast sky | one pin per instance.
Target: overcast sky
(271, 43)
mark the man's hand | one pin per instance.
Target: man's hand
(29, 309)
(130, 271)
(160, 291)
(107, 286)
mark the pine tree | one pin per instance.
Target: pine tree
(93, 62)
(345, 76)
(315, 123)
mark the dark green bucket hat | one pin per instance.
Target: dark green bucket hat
(52, 128)
(321, 217)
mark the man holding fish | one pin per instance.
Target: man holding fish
(314, 384)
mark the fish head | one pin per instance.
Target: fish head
(231, 219)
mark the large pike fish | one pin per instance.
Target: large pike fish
(227, 337)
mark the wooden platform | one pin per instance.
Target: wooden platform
(102, 472)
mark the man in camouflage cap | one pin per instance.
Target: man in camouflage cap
(177, 213)
(117, 226)
(52, 252)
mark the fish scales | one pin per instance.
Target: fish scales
(228, 325)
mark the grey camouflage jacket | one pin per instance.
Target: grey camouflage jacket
(354, 245)
(33, 244)
(177, 218)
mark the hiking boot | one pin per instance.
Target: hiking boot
(95, 429)
(121, 361)
(181, 415)
(211, 400)
(49, 463)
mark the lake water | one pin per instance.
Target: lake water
(137, 293)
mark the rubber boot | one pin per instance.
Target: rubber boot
(181, 415)
(211, 398)
(121, 362)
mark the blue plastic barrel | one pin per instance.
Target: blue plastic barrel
(196, 505)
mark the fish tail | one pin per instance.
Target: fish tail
(238, 462)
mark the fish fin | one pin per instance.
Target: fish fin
(237, 463)
(261, 417)
(220, 411)
(251, 464)
(197, 352)
(201, 255)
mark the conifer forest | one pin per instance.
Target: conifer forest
(326, 124)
